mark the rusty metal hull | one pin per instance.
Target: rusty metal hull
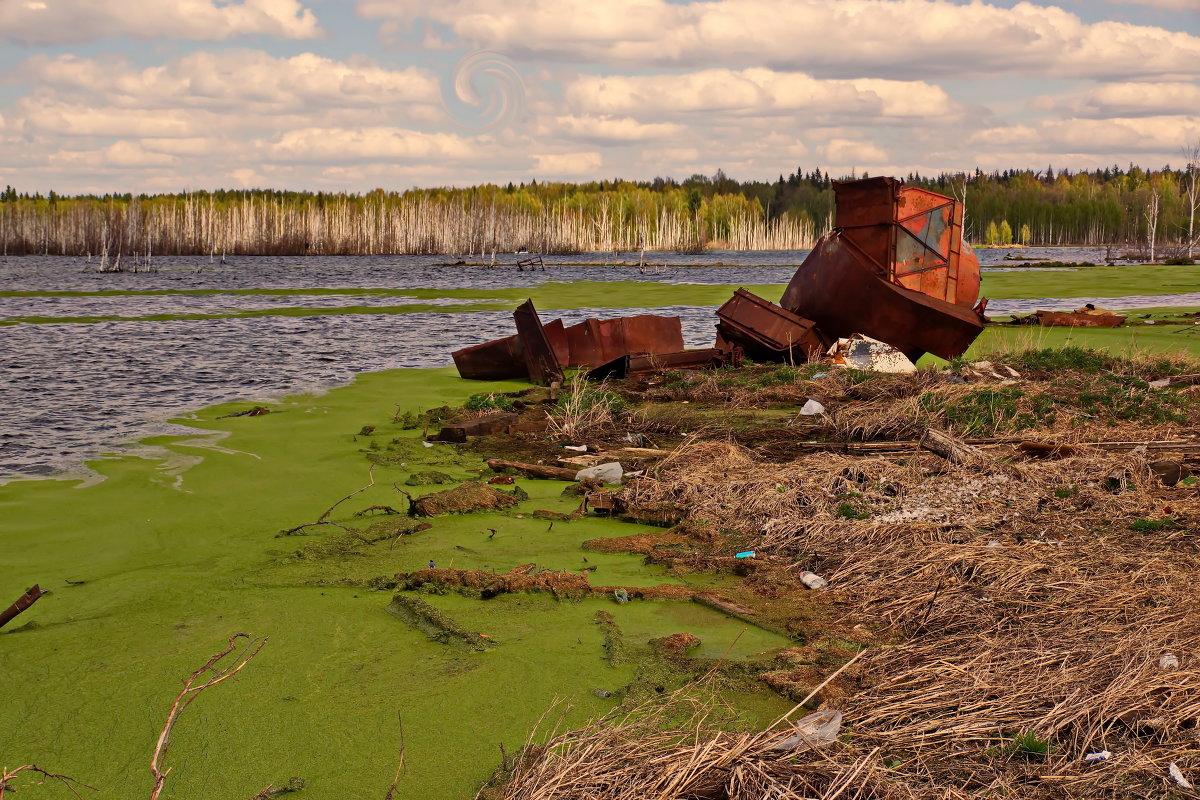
(1070, 319)
(894, 268)
(840, 290)
(767, 332)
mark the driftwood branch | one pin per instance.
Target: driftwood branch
(7, 776)
(23, 602)
(534, 470)
(214, 671)
(324, 518)
(401, 762)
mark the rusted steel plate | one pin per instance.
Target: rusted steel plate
(768, 332)
(497, 360)
(633, 366)
(540, 362)
(894, 268)
(594, 342)
(1071, 319)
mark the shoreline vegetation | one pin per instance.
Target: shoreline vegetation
(956, 633)
(1152, 210)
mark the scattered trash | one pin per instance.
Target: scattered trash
(621, 596)
(1103, 755)
(818, 375)
(427, 444)
(1168, 661)
(502, 480)
(611, 472)
(812, 408)
(812, 580)
(818, 729)
(576, 448)
(602, 693)
(1072, 319)
(746, 554)
(1161, 384)
(863, 352)
(1177, 776)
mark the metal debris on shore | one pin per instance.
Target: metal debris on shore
(894, 271)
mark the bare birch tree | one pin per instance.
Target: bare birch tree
(1191, 188)
(1150, 212)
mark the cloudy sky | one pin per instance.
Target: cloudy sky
(167, 95)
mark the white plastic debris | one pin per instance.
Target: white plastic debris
(812, 580)
(815, 730)
(1168, 661)
(576, 448)
(427, 444)
(611, 472)
(1161, 384)
(1103, 755)
(818, 375)
(812, 408)
(863, 352)
(1177, 776)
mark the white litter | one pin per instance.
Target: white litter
(863, 352)
(577, 448)
(812, 580)
(815, 730)
(605, 473)
(1103, 755)
(1161, 384)
(427, 444)
(812, 408)
(1168, 661)
(1177, 776)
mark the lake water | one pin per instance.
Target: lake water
(69, 392)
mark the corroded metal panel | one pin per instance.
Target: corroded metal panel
(768, 332)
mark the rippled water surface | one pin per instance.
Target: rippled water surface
(72, 391)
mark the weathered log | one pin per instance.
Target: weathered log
(23, 602)
(956, 451)
(534, 470)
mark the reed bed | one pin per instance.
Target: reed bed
(1026, 616)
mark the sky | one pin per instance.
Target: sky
(329, 95)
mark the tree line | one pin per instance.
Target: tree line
(1130, 206)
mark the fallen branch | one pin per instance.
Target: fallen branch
(191, 691)
(324, 518)
(534, 470)
(23, 602)
(7, 775)
(402, 762)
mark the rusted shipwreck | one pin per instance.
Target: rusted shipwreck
(894, 268)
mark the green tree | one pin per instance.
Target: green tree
(1026, 235)
(1006, 234)
(992, 235)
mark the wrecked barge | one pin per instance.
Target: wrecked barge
(894, 268)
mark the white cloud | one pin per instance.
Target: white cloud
(237, 80)
(1108, 138)
(566, 165)
(605, 129)
(1136, 99)
(846, 152)
(74, 21)
(345, 145)
(756, 92)
(1177, 5)
(849, 38)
